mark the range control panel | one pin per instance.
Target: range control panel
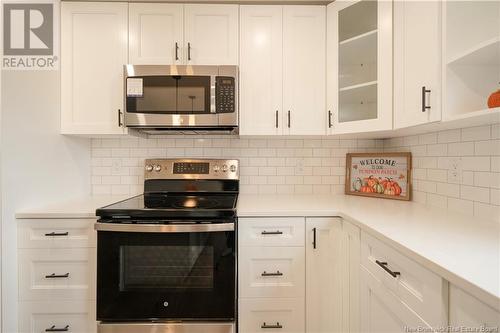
(191, 169)
(224, 94)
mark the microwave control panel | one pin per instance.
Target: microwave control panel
(224, 92)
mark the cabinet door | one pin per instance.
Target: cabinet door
(351, 235)
(211, 34)
(468, 311)
(323, 275)
(155, 33)
(304, 70)
(360, 66)
(261, 70)
(94, 50)
(382, 312)
(417, 62)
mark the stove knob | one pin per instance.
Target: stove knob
(216, 168)
(232, 168)
(149, 168)
(157, 168)
(224, 168)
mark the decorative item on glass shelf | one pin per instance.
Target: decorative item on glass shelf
(494, 100)
(380, 175)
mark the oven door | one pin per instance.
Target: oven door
(166, 272)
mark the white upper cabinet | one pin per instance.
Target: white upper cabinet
(417, 62)
(304, 70)
(211, 34)
(155, 33)
(94, 50)
(261, 70)
(359, 61)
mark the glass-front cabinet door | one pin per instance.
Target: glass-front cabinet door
(359, 62)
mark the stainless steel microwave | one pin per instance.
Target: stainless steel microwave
(164, 99)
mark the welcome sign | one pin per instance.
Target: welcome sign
(382, 175)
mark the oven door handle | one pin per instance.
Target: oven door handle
(164, 228)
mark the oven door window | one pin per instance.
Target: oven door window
(148, 276)
(172, 95)
(145, 268)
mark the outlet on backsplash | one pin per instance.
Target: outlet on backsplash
(455, 170)
(299, 166)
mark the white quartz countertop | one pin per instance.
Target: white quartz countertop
(80, 208)
(464, 250)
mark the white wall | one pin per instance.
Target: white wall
(38, 164)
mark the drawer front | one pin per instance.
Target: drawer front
(57, 274)
(271, 231)
(272, 271)
(422, 290)
(382, 311)
(272, 315)
(468, 311)
(36, 317)
(56, 233)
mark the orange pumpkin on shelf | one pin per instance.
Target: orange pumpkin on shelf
(494, 100)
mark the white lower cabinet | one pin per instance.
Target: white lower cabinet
(398, 294)
(311, 287)
(50, 316)
(381, 311)
(57, 262)
(271, 315)
(468, 311)
(324, 275)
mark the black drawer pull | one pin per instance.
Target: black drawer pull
(54, 234)
(264, 325)
(55, 329)
(314, 238)
(54, 276)
(277, 232)
(278, 273)
(385, 268)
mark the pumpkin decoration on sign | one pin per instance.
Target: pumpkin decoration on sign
(494, 100)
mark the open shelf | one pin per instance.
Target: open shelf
(494, 113)
(358, 37)
(358, 86)
(485, 53)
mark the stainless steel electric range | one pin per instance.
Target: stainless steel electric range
(166, 259)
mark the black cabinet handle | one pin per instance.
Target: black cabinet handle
(189, 51)
(277, 232)
(264, 325)
(385, 268)
(55, 329)
(425, 107)
(120, 118)
(54, 276)
(278, 273)
(176, 51)
(314, 238)
(329, 119)
(276, 118)
(55, 234)
(288, 118)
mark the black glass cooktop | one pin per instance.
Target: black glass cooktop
(164, 206)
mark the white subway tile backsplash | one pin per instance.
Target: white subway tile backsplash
(476, 133)
(279, 165)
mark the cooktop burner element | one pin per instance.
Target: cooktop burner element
(187, 188)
